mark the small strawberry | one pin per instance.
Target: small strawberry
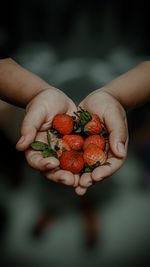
(63, 123)
(93, 126)
(88, 123)
(75, 141)
(61, 146)
(72, 161)
(94, 154)
(81, 118)
(94, 139)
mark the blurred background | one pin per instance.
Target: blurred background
(76, 46)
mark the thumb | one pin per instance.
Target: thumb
(118, 144)
(71, 107)
(116, 125)
(31, 124)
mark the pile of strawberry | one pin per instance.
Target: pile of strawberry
(78, 142)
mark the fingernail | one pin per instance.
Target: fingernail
(121, 148)
(89, 184)
(98, 178)
(21, 140)
(52, 164)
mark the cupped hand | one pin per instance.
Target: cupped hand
(113, 116)
(39, 115)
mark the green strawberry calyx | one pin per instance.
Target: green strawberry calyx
(47, 150)
(84, 117)
(90, 168)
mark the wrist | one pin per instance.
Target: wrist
(113, 93)
(19, 86)
(131, 89)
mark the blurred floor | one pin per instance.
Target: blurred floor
(123, 215)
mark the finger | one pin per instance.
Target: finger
(107, 147)
(71, 108)
(31, 124)
(85, 180)
(38, 118)
(116, 125)
(102, 172)
(36, 160)
(82, 104)
(76, 180)
(80, 190)
(60, 176)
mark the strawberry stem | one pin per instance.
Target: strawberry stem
(83, 115)
(77, 114)
(49, 139)
(104, 134)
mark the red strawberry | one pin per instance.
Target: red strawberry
(61, 146)
(72, 161)
(94, 154)
(93, 126)
(95, 117)
(94, 139)
(63, 123)
(75, 141)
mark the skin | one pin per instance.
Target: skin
(127, 91)
(18, 86)
(43, 102)
(113, 116)
(131, 89)
(40, 113)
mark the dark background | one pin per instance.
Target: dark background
(77, 46)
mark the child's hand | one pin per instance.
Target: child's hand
(113, 115)
(39, 115)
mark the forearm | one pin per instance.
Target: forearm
(131, 89)
(17, 85)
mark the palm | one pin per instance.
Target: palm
(49, 166)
